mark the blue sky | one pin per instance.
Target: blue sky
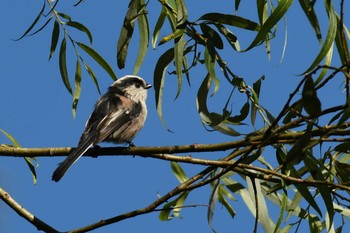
(36, 110)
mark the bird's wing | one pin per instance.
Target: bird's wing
(107, 118)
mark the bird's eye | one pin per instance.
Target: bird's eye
(137, 85)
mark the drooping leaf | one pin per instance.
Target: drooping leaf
(99, 59)
(178, 59)
(93, 76)
(77, 87)
(312, 17)
(34, 22)
(212, 202)
(126, 32)
(255, 101)
(158, 26)
(311, 103)
(158, 83)
(241, 117)
(63, 65)
(80, 27)
(174, 35)
(325, 191)
(212, 35)
(175, 206)
(332, 31)
(231, 20)
(178, 172)
(54, 38)
(230, 37)
(270, 22)
(144, 39)
(28, 160)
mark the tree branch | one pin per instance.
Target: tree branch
(40, 225)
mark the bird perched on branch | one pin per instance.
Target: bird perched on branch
(118, 116)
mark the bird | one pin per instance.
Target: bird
(117, 117)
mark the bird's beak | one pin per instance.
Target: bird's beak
(148, 86)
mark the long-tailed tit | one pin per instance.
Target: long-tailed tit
(118, 116)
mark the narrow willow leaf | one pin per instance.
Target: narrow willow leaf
(283, 206)
(230, 37)
(262, 8)
(255, 101)
(342, 45)
(178, 172)
(270, 22)
(212, 35)
(179, 59)
(158, 83)
(80, 27)
(304, 191)
(212, 202)
(237, 2)
(63, 65)
(231, 20)
(27, 159)
(311, 164)
(126, 33)
(312, 17)
(332, 31)
(327, 63)
(77, 87)
(144, 39)
(344, 117)
(93, 76)
(264, 217)
(169, 7)
(311, 103)
(99, 59)
(343, 147)
(34, 22)
(222, 194)
(41, 28)
(158, 26)
(65, 16)
(174, 206)
(209, 60)
(54, 38)
(242, 116)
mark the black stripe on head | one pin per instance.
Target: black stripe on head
(129, 81)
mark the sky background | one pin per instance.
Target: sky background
(36, 110)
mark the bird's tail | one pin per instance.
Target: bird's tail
(70, 160)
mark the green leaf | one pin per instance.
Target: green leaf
(212, 35)
(27, 159)
(80, 27)
(158, 83)
(178, 59)
(242, 116)
(174, 35)
(65, 16)
(158, 26)
(255, 101)
(231, 20)
(63, 65)
(212, 201)
(126, 32)
(144, 39)
(77, 88)
(332, 31)
(342, 45)
(230, 37)
(311, 164)
(214, 120)
(304, 191)
(33, 24)
(99, 59)
(270, 22)
(92, 75)
(178, 172)
(312, 17)
(175, 206)
(54, 38)
(311, 103)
